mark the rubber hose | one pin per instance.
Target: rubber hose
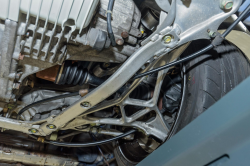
(109, 26)
(88, 144)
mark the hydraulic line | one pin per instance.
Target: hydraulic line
(88, 144)
(198, 53)
(109, 26)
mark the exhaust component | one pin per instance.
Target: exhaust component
(11, 155)
(11, 140)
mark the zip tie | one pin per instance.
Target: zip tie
(109, 11)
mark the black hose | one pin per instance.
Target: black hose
(109, 26)
(198, 53)
(88, 144)
(190, 57)
(44, 101)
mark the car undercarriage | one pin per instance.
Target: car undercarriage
(106, 82)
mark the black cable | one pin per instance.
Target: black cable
(44, 101)
(198, 53)
(231, 27)
(209, 47)
(109, 26)
(88, 144)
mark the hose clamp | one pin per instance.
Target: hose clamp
(109, 11)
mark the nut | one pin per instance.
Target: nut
(212, 34)
(33, 131)
(226, 4)
(51, 126)
(167, 39)
(85, 104)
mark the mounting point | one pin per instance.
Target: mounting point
(85, 104)
(51, 126)
(226, 4)
(33, 131)
(167, 39)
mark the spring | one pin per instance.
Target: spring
(76, 74)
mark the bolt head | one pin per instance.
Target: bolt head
(51, 126)
(119, 42)
(124, 34)
(227, 4)
(212, 34)
(167, 39)
(155, 57)
(85, 104)
(106, 65)
(33, 131)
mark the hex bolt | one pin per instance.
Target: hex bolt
(51, 126)
(167, 39)
(85, 104)
(33, 131)
(226, 4)
(119, 42)
(212, 34)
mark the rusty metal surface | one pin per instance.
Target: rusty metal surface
(49, 74)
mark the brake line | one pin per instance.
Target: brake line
(217, 41)
(88, 144)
